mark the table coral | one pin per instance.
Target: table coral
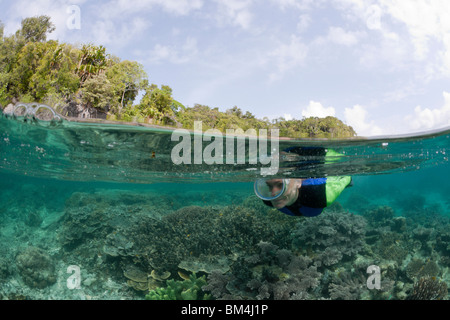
(337, 234)
(272, 273)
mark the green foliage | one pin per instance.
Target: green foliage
(329, 127)
(127, 79)
(314, 127)
(3, 91)
(190, 289)
(35, 29)
(33, 69)
(97, 92)
(52, 72)
(92, 61)
(157, 104)
(2, 28)
(214, 119)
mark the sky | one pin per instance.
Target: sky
(380, 66)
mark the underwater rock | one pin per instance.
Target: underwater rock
(36, 268)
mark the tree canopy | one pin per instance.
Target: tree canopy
(34, 69)
(35, 29)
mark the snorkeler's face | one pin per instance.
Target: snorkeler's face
(289, 196)
(275, 186)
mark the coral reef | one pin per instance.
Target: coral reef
(4, 269)
(428, 288)
(162, 244)
(142, 281)
(330, 237)
(417, 268)
(379, 217)
(272, 273)
(189, 289)
(36, 268)
(347, 286)
(133, 245)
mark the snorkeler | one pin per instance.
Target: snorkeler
(302, 197)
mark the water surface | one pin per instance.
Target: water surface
(108, 198)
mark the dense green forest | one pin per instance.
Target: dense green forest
(86, 81)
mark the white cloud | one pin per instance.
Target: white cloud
(426, 119)
(56, 10)
(304, 22)
(294, 4)
(288, 57)
(120, 22)
(412, 31)
(179, 7)
(425, 21)
(235, 12)
(356, 117)
(125, 7)
(287, 116)
(110, 32)
(172, 53)
(340, 36)
(316, 109)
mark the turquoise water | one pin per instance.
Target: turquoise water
(107, 201)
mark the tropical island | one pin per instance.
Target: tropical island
(87, 82)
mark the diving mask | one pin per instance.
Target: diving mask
(270, 189)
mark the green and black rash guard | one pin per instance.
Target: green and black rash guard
(316, 193)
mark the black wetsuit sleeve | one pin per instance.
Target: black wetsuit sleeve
(307, 151)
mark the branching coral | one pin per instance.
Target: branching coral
(331, 236)
(429, 288)
(380, 217)
(347, 286)
(192, 232)
(272, 273)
